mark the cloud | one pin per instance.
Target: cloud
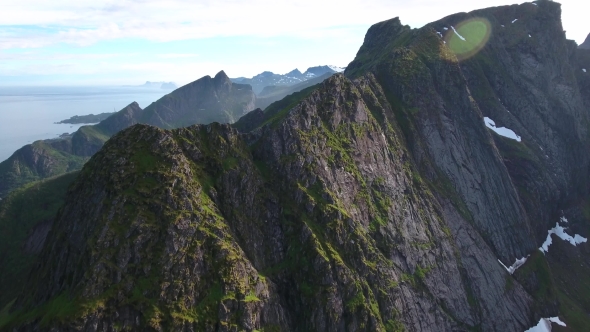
(87, 22)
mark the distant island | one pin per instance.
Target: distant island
(155, 85)
(90, 118)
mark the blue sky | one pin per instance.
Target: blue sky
(131, 41)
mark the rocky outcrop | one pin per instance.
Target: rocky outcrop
(586, 44)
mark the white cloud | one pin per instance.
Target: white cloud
(86, 22)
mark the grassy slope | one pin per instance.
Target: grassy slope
(19, 213)
(16, 171)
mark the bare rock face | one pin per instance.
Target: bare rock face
(378, 201)
(586, 44)
(35, 241)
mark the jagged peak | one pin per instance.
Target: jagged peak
(221, 76)
(586, 44)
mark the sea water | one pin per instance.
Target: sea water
(28, 114)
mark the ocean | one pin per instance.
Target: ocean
(28, 114)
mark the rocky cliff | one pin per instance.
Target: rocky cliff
(586, 44)
(377, 201)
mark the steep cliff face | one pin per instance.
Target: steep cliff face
(26, 216)
(377, 201)
(527, 84)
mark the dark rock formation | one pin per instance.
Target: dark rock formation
(586, 44)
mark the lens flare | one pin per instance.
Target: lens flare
(468, 37)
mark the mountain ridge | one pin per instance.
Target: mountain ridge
(376, 200)
(267, 78)
(202, 101)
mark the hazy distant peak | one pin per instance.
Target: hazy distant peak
(264, 74)
(586, 43)
(294, 72)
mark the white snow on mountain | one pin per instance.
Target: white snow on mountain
(544, 324)
(516, 265)
(337, 69)
(502, 131)
(560, 232)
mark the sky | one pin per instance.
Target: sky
(122, 42)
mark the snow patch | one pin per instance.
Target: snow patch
(529, 36)
(446, 28)
(502, 131)
(440, 34)
(458, 35)
(337, 69)
(544, 324)
(503, 26)
(584, 70)
(516, 265)
(515, 20)
(560, 232)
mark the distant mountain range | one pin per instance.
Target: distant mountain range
(267, 78)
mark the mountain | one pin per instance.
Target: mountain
(203, 101)
(267, 78)
(273, 93)
(586, 44)
(26, 217)
(439, 184)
